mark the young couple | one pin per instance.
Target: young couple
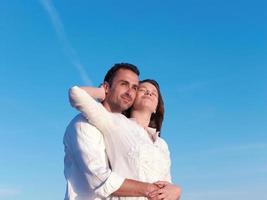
(113, 149)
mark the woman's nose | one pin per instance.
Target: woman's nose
(148, 93)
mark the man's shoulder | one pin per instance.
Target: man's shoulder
(78, 119)
(119, 117)
(80, 124)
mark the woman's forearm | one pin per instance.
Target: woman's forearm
(95, 92)
(92, 110)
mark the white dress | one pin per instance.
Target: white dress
(131, 151)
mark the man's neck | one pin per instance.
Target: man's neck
(111, 108)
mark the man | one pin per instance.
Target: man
(86, 167)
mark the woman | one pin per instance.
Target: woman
(134, 147)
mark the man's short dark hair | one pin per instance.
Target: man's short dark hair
(113, 70)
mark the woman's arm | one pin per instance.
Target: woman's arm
(96, 93)
(92, 110)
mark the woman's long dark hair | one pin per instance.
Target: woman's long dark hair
(157, 117)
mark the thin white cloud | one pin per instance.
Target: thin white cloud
(70, 52)
(6, 192)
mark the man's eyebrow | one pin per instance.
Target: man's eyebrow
(135, 86)
(122, 80)
(125, 81)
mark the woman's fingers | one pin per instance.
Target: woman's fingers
(161, 184)
(154, 193)
(163, 195)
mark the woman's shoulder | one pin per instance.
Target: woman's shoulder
(161, 142)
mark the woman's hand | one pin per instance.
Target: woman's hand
(167, 191)
(96, 92)
(102, 93)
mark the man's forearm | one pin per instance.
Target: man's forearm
(135, 188)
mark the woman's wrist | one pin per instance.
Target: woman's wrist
(102, 93)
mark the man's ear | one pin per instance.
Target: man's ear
(106, 87)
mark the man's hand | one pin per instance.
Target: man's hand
(167, 191)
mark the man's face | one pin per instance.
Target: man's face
(121, 94)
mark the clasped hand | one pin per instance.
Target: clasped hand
(165, 191)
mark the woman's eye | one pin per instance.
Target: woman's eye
(154, 94)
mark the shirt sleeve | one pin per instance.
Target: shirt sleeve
(92, 110)
(87, 148)
(165, 148)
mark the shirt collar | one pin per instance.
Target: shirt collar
(152, 132)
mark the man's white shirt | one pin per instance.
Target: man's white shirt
(86, 167)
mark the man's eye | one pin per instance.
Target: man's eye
(135, 88)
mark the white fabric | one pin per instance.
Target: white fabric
(86, 167)
(130, 150)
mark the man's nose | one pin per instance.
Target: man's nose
(130, 91)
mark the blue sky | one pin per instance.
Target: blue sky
(208, 56)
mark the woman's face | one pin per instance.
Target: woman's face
(146, 97)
